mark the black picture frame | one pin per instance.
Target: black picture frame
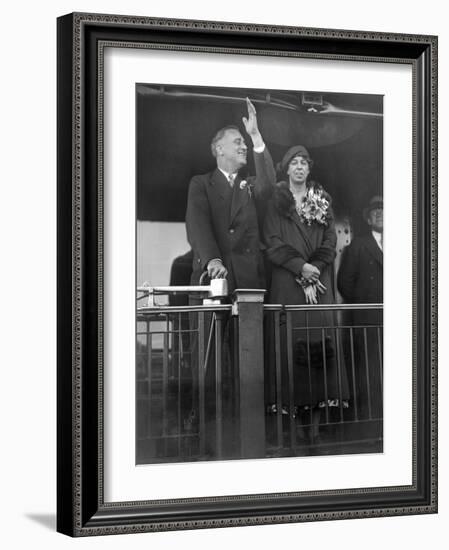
(81, 510)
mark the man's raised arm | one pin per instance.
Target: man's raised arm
(265, 172)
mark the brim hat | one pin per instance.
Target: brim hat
(295, 151)
(375, 202)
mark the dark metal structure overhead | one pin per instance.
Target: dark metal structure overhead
(175, 125)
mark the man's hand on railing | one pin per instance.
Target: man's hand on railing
(216, 269)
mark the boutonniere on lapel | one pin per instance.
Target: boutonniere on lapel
(245, 185)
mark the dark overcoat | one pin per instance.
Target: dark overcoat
(360, 281)
(360, 277)
(222, 222)
(290, 244)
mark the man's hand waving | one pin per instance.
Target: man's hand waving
(251, 127)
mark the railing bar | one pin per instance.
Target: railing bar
(379, 347)
(293, 307)
(149, 374)
(184, 331)
(309, 367)
(157, 352)
(233, 326)
(172, 290)
(165, 367)
(277, 347)
(162, 310)
(332, 307)
(168, 436)
(326, 395)
(218, 385)
(340, 388)
(291, 404)
(145, 379)
(179, 384)
(209, 341)
(319, 327)
(365, 339)
(337, 444)
(201, 380)
(153, 378)
(345, 422)
(354, 385)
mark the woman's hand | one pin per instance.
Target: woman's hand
(310, 272)
(310, 294)
(320, 287)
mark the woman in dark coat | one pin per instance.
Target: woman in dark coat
(300, 237)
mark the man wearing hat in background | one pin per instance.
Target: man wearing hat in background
(360, 278)
(360, 281)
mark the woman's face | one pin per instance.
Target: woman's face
(298, 170)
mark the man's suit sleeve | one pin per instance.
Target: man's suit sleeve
(349, 271)
(200, 231)
(265, 177)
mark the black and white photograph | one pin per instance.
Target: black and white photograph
(259, 273)
(232, 349)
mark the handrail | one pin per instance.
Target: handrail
(185, 309)
(322, 307)
(216, 290)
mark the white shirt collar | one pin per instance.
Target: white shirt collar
(378, 237)
(227, 174)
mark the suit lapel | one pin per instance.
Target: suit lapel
(239, 197)
(373, 248)
(219, 184)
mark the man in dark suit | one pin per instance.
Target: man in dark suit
(360, 278)
(222, 217)
(222, 221)
(360, 281)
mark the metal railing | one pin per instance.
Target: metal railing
(323, 377)
(220, 381)
(180, 371)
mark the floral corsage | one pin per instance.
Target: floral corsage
(245, 185)
(314, 207)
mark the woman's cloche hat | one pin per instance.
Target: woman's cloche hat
(295, 151)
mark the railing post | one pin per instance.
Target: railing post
(248, 306)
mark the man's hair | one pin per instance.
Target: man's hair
(218, 136)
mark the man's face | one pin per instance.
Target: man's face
(232, 149)
(298, 170)
(376, 219)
